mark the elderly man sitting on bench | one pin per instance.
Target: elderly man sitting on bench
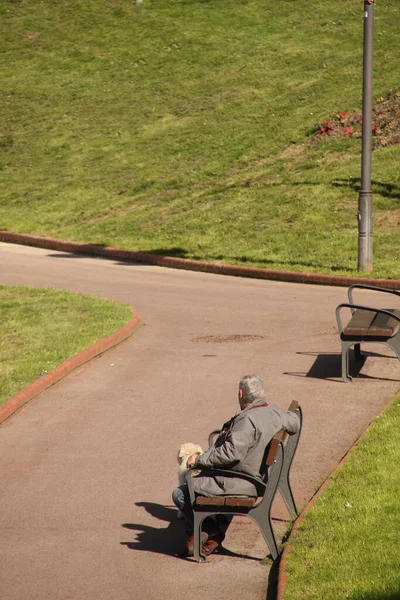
(240, 446)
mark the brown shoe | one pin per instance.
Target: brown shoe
(211, 545)
(189, 546)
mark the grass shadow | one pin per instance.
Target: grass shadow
(387, 190)
(73, 255)
(174, 252)
(69, 255)
(96, 251)
(242, 260)
(378, 595)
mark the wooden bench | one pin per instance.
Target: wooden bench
(275, 474)
(367, 324)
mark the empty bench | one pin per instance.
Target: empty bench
(367, 324)
(275, 475)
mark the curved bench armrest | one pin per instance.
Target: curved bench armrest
(258, 484)
(369, 287)
(211, 437)
(352, 307)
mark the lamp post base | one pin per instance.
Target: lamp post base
(365, 231)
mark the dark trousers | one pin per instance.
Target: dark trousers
(212, 525)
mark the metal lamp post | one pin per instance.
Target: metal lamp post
(365, 197)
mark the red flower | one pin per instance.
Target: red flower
(342, 113)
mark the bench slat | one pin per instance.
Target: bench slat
(240, 501)
(384, 325)
(273, 447)
(366, 324)
(214, 501)
(224, 501)
(359, 323)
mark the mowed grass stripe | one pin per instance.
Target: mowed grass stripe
(181, 128)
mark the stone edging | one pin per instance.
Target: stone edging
(191, 265)
(282, 571)
(32, 390)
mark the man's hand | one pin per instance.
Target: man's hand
(191, 460)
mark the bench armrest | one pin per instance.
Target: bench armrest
(294, 405)
(353, 307)
(368, 287)
(258, 484)
(211, 437)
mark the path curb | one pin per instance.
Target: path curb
(191, 265)
(283, 575)
(32, 390)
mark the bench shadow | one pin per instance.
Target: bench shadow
(272, 589)
(167, 540)
(328, 366)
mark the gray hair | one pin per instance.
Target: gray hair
(252, 388)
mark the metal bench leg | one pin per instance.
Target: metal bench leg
(197, 526)
(261, 514)
(287, 495)
(284, 486)
(394, 344)
(345, 361)
(263, 520)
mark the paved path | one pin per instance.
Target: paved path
(88, 466)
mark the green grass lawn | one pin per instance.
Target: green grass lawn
(180, 127)
(348, 545)
(43, 327)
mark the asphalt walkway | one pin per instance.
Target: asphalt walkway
(88, 466)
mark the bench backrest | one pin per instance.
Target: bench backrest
(280, 436)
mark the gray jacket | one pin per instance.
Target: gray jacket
(240, 447)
